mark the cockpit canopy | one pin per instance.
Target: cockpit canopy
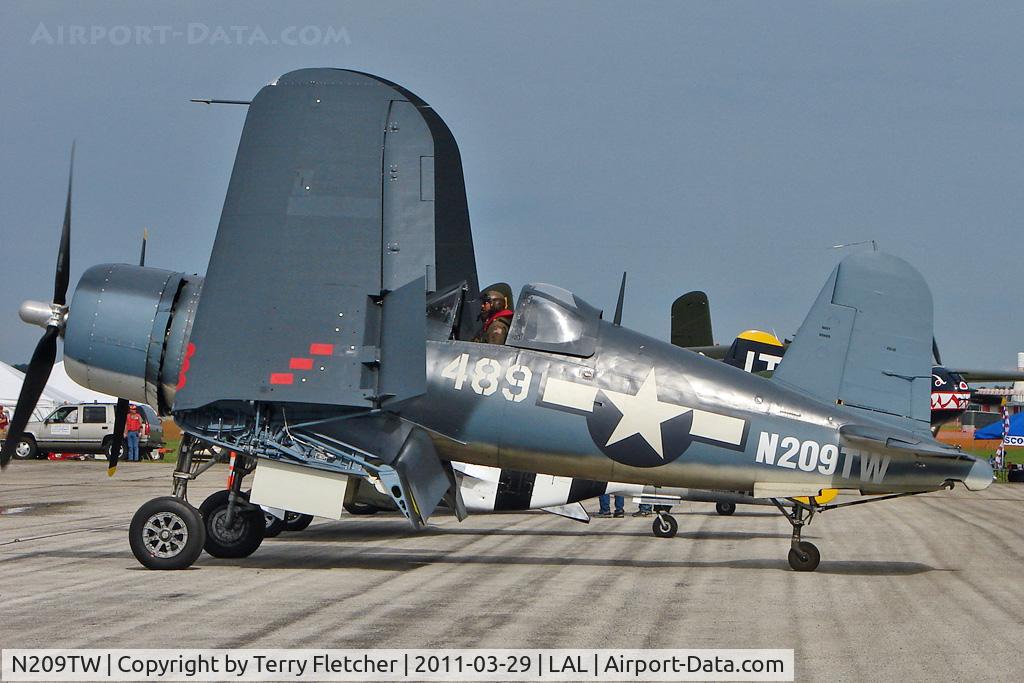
(550, 318)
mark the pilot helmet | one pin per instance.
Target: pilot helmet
(496, 298)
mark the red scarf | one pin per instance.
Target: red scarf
(494, 316)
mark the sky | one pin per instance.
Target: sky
(723, 146)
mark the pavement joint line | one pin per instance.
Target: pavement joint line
(62, 533)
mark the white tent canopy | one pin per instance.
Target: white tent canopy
(59, 389)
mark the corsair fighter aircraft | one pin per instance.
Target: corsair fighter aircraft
(326, 346)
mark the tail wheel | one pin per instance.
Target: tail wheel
(241, 538)
(167, 533)
(804, 557)
(665, 526)
(725, 509)
(295, 521)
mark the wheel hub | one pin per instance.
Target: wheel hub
(165, 534)
(223, 532)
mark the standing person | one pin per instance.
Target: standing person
(132, 430)
(620, 506)
(5, 422)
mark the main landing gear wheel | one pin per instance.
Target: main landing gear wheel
(296, 521)
(245, 534)
(360, 509)
(167, 533)
(273, 525)
(804, 557)
(725, 509)
(665, 526)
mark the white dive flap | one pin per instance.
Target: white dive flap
(299, 489)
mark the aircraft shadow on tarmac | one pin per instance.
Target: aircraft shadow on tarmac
(405, 562)
(375, 531)
(384, 559)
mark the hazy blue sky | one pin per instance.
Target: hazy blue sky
(715, 145)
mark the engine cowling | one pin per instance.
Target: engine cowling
(127, 331)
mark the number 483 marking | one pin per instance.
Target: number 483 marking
(486, 376)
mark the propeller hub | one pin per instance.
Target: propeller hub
(43, 314)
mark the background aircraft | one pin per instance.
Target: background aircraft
(305, 349)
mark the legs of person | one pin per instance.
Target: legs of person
(620, 504)
(605, 501)
(133, 446)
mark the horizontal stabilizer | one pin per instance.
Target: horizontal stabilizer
(867, 342)
(869, 437)
(976, 375)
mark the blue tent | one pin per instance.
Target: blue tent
(995, 430)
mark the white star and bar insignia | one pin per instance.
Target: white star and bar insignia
(643, 413)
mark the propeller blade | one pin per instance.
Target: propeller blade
(31, 389)
(117, 439)
(935, 352)
(142, 256)
(60, 282)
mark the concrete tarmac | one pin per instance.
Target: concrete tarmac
(921, 588)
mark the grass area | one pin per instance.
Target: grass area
(1013, 455)
(171, 452)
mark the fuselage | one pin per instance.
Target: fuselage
(639, 410)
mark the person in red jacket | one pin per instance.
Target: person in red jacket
(132, 432)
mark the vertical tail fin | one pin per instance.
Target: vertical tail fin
(867, 341)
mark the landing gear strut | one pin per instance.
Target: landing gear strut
(169, 533)
(803, 555)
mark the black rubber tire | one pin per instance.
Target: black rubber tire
(26, 448)
(360, 509)
(725, 509)
(810, 560)
(149, 454)
(273, 526)
(296, 521)
(186, 534)
(242, 539)
(665, 526)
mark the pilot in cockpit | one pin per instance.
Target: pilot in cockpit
(496, 317)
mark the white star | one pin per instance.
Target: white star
(643, 414)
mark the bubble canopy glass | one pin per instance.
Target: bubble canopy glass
(550, 318)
